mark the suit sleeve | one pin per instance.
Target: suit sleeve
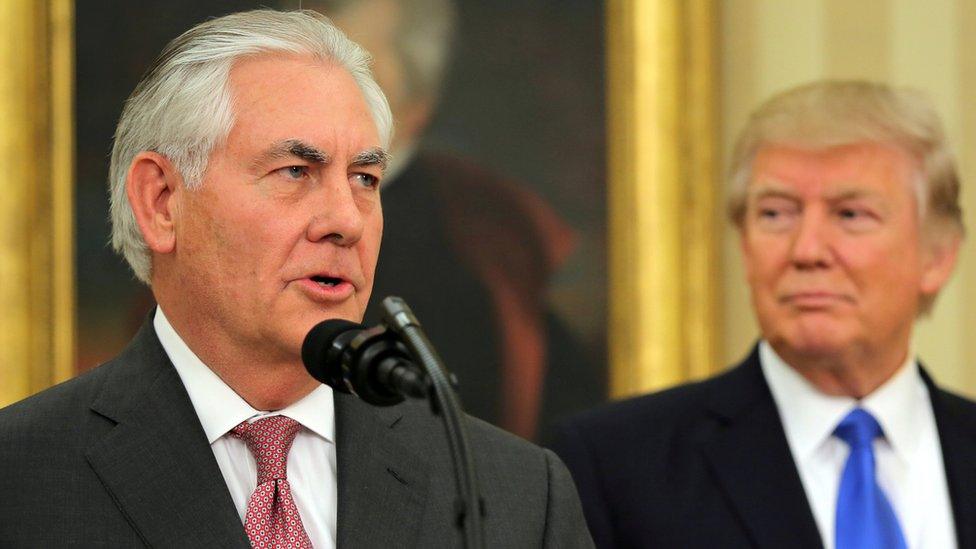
(565, 524)
(571, 446)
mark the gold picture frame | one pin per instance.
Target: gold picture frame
(663, 223)
(36, 215)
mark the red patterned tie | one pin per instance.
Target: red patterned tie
(272, 518)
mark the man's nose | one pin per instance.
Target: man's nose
(337, 216)
(811, 243)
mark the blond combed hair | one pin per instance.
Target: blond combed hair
(833, 113)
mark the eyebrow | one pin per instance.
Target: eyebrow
(852, 194)
(773, 189)
(375, 156)
(295, 148)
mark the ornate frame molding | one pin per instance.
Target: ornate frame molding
(662, 194)
(37, 335)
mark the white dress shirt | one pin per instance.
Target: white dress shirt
(909, 469)
(311, 460)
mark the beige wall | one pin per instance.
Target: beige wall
(768, 45)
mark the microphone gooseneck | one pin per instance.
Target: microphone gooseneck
(470, 508)
(378, 365)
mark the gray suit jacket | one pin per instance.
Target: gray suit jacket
(117, 458)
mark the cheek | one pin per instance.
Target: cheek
(251, 243)
(870, 262)
(764, 261)
(371, 240)
(200, 240)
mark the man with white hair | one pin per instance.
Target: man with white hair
(245, 191)
(830, 434)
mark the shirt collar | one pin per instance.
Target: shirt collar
(220, 409)
(810, 416)
(898, 406)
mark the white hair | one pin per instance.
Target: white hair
(183, 106)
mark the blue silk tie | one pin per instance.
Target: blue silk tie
(865, 519)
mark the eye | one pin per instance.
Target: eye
(775, 215)
(851, 213)
(294, 172)
(366, 180)
(857, 219)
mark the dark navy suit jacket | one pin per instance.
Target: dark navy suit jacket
(708, 465)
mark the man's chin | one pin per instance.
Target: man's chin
(813, 348)
(309, 314)
(351, 316)
(813, 339)
(307, 321)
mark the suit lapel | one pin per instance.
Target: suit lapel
(382, 484)
(156, 462)
(752, 462)
(956, 422)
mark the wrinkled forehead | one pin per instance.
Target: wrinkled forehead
(278, 97)
(844, 169)
(274, 74)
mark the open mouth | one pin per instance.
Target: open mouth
(328, 281)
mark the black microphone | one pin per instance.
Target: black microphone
(370, 363)
(376, 365)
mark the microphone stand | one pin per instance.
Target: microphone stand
(469, 505)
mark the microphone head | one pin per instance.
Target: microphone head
(323, 348)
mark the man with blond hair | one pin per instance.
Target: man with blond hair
(244, 182)
(830, 434)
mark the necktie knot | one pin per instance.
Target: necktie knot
(269, 440)
(858, 429)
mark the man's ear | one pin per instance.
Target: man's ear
(939, 260)
(151, 186)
